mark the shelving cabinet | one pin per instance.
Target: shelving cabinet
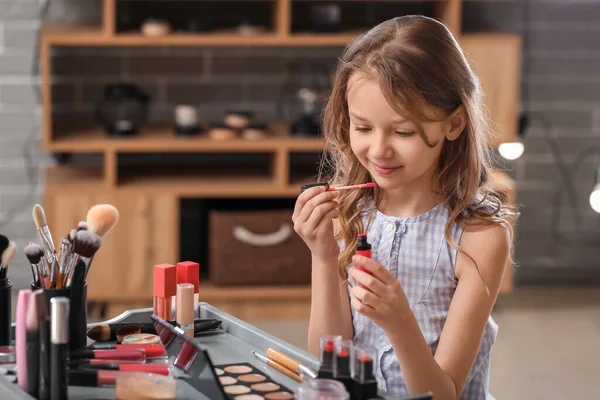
(149, 200)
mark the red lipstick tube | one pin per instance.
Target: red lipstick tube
(151, 350)
(132, 355)
(161, 369)
(363, 373)
(327, 344)
(93, 378)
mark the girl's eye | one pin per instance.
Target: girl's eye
(359, 129)
(405, 134)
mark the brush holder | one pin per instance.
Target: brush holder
(77, 313)
(5, 312)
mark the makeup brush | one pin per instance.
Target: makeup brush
(82, 226)
(101, 218)
(111, 332)
(39, 217)
(34, 254)
(65, 256)
(86, 245)
(4, 242)
(7, 256)
(275, 365)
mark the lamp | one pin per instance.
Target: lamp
(513, 150)
(595, 195)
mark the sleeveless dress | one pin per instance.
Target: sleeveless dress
(415, 251)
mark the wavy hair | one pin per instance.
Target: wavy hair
(416, 60)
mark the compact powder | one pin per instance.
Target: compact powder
(238, 369)
(227, 380)
(265, 387)
(219, 371)
(236, 389)
(279, 396)
(249, 397)
(252, 378)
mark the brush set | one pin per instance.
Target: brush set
(52, 270)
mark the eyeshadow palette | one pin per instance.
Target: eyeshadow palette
(244, 382)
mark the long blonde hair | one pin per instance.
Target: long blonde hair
(416, 59)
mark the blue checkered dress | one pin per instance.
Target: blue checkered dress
(415, 251)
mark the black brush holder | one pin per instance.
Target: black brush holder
(5, 312)
(77, 313)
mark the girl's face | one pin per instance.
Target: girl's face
(385, 143)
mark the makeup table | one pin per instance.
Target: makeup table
(233, 346)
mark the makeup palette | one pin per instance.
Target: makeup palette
(244, 382)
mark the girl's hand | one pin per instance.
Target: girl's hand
(383, 300)
(313, 221)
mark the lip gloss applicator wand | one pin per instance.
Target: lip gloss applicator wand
(339, 188)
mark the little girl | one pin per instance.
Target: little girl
(406, 112)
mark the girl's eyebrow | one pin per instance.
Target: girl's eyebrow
(358, 117)
(398, 120)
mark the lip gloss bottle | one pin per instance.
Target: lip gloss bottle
(363, 248)
(189, 272)
(185, 308)
(165, 287)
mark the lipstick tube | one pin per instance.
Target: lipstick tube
(165, 278)
(131, 355)
(185, 308)
(59, 347)
(363, 373)
(160, 369)
(101, 378)
(189, 272)
(151, 350)
(21, 337)
(343, 356)
(327, 344)
(5, 311)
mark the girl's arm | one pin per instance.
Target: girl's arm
(330, 305)
(445, 374)
(313, 218)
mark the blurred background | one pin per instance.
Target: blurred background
(199, 120)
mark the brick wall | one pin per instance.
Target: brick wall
(564, 82)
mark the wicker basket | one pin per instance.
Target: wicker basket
(256, 248)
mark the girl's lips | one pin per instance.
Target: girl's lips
(385, 170)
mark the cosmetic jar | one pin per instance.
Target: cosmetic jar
(145, 386)
(155, 27)
(238, 119)
(186, 120)
(222, 132)
(255, 131)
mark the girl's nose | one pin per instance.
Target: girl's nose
(380, 147)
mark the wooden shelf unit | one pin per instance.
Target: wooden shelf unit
(148, 232)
